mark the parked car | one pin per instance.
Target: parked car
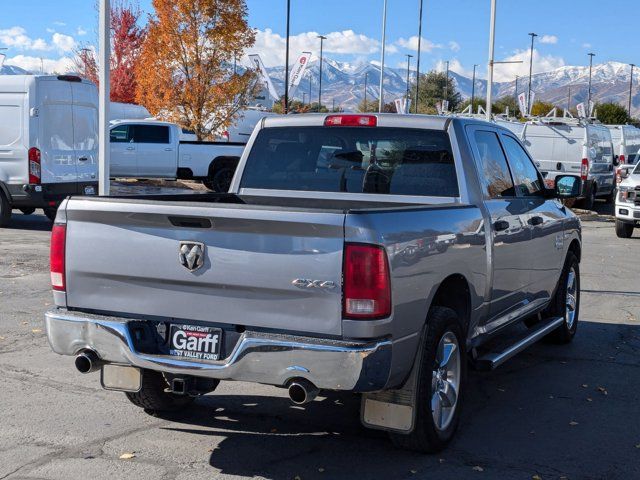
(562, 146)
(48, 142)
(627, 209)
(154, 149)
(292, 279)
(626, 142)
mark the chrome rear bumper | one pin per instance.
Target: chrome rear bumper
(257, 357)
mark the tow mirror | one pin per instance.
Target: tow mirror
(568, 186)
(616, 160)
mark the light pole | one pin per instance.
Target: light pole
(569, 99)
(419, 51)
(286, 62)
(473, 87)
(446, 81)
(322, 39)
(2, 56)
(591, 55)
(630, 87)
(533, 36)
(406, 102)
(516, 94)
(492, 44)
(304, 98)
(384, 41)
(104, 95)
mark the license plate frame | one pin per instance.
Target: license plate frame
(195, 342)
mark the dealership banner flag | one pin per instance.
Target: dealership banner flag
(399, 105)
(581, 111)
(298, 71)
(257, 61)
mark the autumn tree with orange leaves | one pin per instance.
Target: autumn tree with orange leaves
(127, 37)
(184, 74)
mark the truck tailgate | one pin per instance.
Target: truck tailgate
(123, 257)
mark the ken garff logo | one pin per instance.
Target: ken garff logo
(191, 255)
(305, 283)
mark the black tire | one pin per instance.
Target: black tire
(611, 198)
(590, 199)
(152, 396)
(5, 211)
(624, 230)
(558, 306)
(50, 213)
(426, 437)
(27, 210)
(220, 181)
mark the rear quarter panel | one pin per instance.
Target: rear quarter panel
(424, 245)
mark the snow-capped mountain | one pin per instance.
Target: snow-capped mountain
(13, 70)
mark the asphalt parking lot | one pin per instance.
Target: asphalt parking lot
(553, 412)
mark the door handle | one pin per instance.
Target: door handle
(83, 159)
(535, 221)
(501, 225)
(130, 148)
(168, 149)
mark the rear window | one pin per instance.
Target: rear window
(150, 134)
(396, 161)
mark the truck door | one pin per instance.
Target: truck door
(85, 132)
(544, 220)
(124, 161)
(58, 158)
(157, 157)
(508, 222)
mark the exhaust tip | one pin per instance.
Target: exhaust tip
(87, 362)
(302, 391)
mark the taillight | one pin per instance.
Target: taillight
(35, 171)
(226, 135)
(584, 170)
(367, 283)
(621, 159)
(58, 245)
(351, 121)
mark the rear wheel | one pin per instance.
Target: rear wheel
(611, 198)
(27, 211)
(566, 302)
(624, 230)
(5, 211)
(220, 181)
(440, 386)
(51, 213)
(153, 397)
(590, 199)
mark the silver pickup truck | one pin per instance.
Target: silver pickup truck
(364, 253)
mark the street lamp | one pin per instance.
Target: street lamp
(384, 41)
(406, 102)
(492, 44)
(286, 62)
(322, 39)
(516, 94)
(630, 87)
(446, 81)
(419, 50)
(104, 95)
(591, 55)
(473, 87)
(533, 36)
(366, 82)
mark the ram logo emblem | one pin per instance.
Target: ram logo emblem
(191, 255)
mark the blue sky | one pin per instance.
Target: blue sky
(455, 30)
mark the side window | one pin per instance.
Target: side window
(525, 175)
(151, 134)
(495, 175)
(120, 134)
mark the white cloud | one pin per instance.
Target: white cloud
(59, 24)
(271, 46)
(454, 46)
(586, 45)
(81, 32)
(16, 37)
(507, 72)
(411, 43)
(33, 64)
(63, 43)
(550, 39)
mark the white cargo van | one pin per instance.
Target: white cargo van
(562, 146)
(48, 142)
(243, 125)
(626, 143)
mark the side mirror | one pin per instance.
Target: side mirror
(568, 186)
(616, 160)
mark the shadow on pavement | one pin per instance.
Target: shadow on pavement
(35, 222)
(552, 411)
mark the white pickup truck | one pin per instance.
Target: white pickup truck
(153, 149)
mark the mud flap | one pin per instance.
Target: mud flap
(394, 410)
